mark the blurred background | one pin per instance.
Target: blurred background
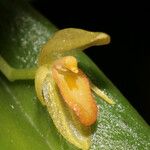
(126, 60)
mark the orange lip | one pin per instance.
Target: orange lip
(75, 90)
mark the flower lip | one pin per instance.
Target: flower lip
(74, 87)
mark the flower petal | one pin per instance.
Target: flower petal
(63, 117)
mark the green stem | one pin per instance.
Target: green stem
(16, 74)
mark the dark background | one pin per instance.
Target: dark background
(126, 61)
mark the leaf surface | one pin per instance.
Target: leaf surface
(24, 122)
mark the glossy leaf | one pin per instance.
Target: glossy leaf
(24, 122)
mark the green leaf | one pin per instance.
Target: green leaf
(24, 122)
